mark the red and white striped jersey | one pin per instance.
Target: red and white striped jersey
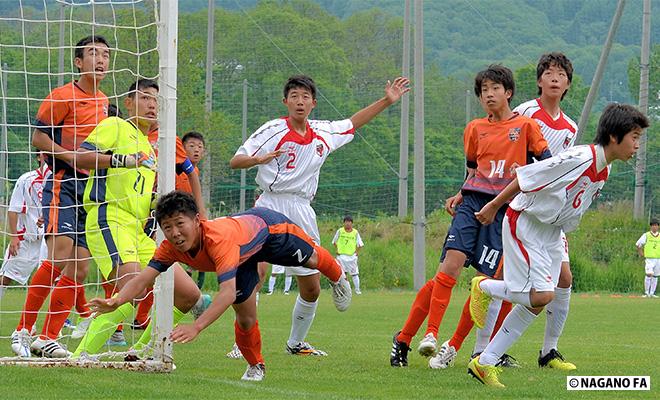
(560, 189)
(297, 170)
(26, 202)
(560, 133)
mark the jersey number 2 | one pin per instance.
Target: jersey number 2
(292, 158)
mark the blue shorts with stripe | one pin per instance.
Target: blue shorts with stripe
(482, 244)
(62, 206)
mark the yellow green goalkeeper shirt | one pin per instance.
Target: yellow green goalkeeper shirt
(122, 194)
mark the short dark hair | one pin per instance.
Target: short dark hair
(654, 221)
(114, 111)
(193, 135)
(558, 60)
(141, 84)
(300, 82)
(80, 46)
(176, 202)
(617, 120)
(348, 217)
(498, 74)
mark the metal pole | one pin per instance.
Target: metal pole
(598, 75)
(419, 202)
(60, 52)
(3, 139)
(167, 50)
(640, 167)
(404, 147)
(244, 135)
(208, 102)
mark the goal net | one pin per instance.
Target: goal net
(40, 59)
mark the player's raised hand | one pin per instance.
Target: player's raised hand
(487, 214)
(184, 333)
(102, 306)
(453, 202)
(268, 157)
(394, 90)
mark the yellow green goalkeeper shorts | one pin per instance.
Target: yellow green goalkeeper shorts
(114, 238)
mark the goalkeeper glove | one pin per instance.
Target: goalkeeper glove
(136, 160)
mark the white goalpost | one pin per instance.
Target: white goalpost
(37, 52)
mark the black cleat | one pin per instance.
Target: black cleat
(399, 354)
(555, 360)
(507, 361)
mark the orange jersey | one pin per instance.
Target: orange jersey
(182, 183)
(68, 115)
(496, 149)
(225, 243)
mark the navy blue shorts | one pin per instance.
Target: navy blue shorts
(62, 204)
(482, 244)
(247, 278)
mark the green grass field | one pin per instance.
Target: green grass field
(604, 335)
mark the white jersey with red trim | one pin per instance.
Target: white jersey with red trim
(26, 202)
(297, 170)
(560, 189)
(560, 133)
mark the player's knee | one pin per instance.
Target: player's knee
(565, 278)
(309, 291)
(541, 299)
(313, 261)
(246, 322)
(453, 263)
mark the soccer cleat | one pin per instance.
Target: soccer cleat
(254, 373)
(137, 325)
(341, 293)
(117, 339)
(20, 343)
(399, 353)
(555, 360)
(304, 349)
(479, 302)
(508, 361)
(198, 310)
(486, 374)
(286, 293)
(235, 353)
(269, 294)
(358, 292)
(445, 357)
(428, 346)
(653, 296)
(49, 348)
(81, 328)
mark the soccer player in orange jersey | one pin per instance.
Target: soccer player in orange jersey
(494, 147)
(231, 247)
(65, 118)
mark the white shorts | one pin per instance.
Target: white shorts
(349, 263)
(298, 210)
(280, 269)
(564, 248)
(19, 267)
(532, 257)
(652, 266)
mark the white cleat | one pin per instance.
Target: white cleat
(49, 348)
(445, 357)
(81, 328)
(341, 293)
(235, 353)
(254, 373)
(428, 346)
(20, 343)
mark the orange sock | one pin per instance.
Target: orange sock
(61, 301)
(40, 286)
(249, 342)
(418, 313)
(81, 300)
(439, 301)
(504, 311)
(142, 314)
(464, 327)
(327, 264)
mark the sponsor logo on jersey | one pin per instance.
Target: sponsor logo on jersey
(514, 134)
(319, 150)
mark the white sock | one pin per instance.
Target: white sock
(654, 284)
(356, 282)
(495, 289)
(287, 283)
(271, 283)
(3, 288)
(512, 328)
(301, 320)
(647, 285)
(556, 313)
(483, 335)
(521, 298)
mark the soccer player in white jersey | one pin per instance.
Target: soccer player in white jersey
(553, 196)
(26, 248)
(348, 243)
(289, 153)
(554, 73)
(648, 246)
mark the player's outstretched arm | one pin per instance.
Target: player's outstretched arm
(133, 289)
(43, 142)
(487, 214)
(393, 92)
(196, 187)
(185, 333)
(243, 161)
